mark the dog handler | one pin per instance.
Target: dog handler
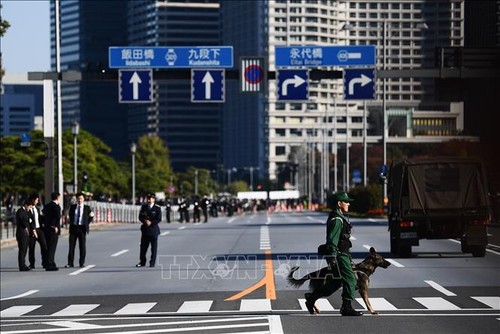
(338, 232)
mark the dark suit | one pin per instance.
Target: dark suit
(78, 231)
(36, 216)
(22, 236)
(149, 234)
(52, 214)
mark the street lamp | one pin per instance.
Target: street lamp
(75, 129)
(133, 149)
(251, 169)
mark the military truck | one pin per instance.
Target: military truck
(438, 198)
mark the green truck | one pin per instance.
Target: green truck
(438, 198)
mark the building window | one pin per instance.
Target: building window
(280, 151)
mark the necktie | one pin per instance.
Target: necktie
(77, 215)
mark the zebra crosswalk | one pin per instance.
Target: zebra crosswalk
(248, 306)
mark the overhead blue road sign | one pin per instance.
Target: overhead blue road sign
(317, 56)
(359, 84)
(135, 86)
(25, 139)
(293, 85)
(170, 57)
(207, 86)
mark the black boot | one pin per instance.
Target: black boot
(347, 309)
(310, 300)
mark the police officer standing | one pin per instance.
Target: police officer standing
(168, 209)
(150, 217)
(338, 233)
(205, 204)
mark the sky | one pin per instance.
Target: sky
(26, 45)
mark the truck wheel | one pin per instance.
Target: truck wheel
(478, 251)
(465, 248)
(404, 250)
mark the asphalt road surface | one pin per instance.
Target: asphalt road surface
(229, 276)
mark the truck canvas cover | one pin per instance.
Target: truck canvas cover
(441, 183)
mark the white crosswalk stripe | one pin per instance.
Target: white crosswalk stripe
(76, 309)
(322, 304)
(436, 303)
(378, 304)
(249, 305)
(195, 306)
(135, 308)
(17, 311)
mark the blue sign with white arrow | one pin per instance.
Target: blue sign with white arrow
(170, 57)
(135, 86)
(359, 84)
(293, 85)
(207, 86)
(317, 56)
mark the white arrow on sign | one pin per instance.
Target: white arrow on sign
(135, 80)
(363, 80)
(296, 81)
(208, 80)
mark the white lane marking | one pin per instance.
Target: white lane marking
(378, 304)
(81, 270)
(73, 325)
(265, 241)
(395, 263)
(119, 253)
(315, 220)
(367, 246)
(195, 306)
(182, 227)
(440, 288)
(16, 311)
(20, 295)
(255, 305)
(322, 304)
(493, 302)
(75, 309)
(352, 238)
(275, 326)
(178, 325)
(268, 220)
(436, 303)
(231, 220)
(165, 233)
(135, 308)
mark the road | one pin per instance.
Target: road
(228, 276)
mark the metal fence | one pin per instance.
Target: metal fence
(104, 212)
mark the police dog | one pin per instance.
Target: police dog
(362, 270)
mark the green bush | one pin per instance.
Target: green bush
(366, 199)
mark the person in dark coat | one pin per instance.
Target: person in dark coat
(80, 216)
(52, 229)
(23, 231)
(150, 217)
(168, 209)
(37, 233)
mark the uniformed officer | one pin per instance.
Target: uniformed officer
(150, 217)
(338, 233)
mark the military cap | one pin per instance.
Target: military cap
(343, 197)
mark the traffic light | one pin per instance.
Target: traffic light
(85, 181)
(259, 186)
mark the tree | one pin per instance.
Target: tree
(186, 182)
(153, 169)
(4, 25)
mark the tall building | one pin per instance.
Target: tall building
(406, 34)
(191, 131)
(88, 28)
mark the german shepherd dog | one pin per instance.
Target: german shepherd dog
(362, 270)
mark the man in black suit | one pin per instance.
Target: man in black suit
(23, 223)
(52, 227)
(37, 233)
(80, 216)
(150, 217)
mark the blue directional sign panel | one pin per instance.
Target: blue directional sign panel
(317, 56)
(135, 86)
(207, 85)
(359, 84)
(293, 85)
(170, 57)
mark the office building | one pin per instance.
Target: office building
(285, 131)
